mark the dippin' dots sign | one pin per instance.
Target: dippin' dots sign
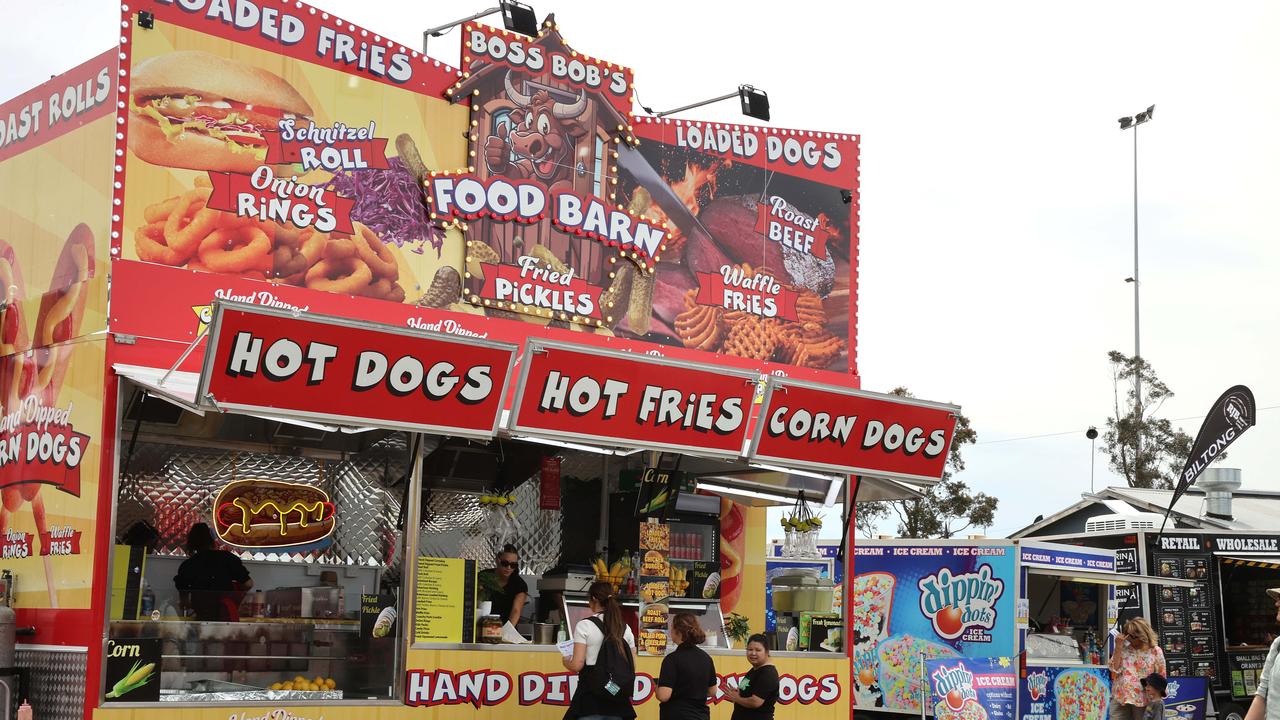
(490, 688)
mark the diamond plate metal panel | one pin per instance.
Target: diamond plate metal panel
(173, 487)
(57, 682)
(453, 526)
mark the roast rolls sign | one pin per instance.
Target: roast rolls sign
(337, 371)
(835, 429)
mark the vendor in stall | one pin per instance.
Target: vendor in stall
(510, 592)
(211, 583)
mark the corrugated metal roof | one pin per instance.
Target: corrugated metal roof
(1250, 509)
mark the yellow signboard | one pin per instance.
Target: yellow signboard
(444, 600)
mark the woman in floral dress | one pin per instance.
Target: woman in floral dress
(1137, 655)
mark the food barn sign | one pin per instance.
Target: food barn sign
(331, 370)
(634, 400)
(836, 429)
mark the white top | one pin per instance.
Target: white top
(588, 634)
(1270, 680)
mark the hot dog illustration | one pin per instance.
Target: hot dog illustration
(269, 513)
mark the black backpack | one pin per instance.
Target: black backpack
(615, 664)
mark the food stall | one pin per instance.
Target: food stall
(1042, 611)
(1219, 626)
(367, 335)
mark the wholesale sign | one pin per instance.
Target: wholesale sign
(849, 431)
(914, 603)
(321, 368)
(633, 400)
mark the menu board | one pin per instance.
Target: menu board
(1188, 630)
(1246, 669)
(444, 610)
(655, 586)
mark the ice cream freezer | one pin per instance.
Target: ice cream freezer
(1038, 615)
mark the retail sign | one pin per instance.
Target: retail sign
(1064, 692)
(615, 398)
(843, 430)
(266, 514)
(339, 371)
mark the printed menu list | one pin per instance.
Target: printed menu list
(446, 600)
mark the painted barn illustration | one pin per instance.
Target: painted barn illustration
(538, 127)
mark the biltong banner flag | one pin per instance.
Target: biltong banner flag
(1230, 416)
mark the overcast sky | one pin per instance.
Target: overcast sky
(997, 189)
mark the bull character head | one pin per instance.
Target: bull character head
(542, 134)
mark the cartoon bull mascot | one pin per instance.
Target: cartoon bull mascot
(540, 140)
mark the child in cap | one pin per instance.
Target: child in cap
(1154, 687)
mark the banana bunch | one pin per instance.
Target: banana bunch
(613, 574)
(497, 500)
(678, 577)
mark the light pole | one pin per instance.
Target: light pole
(1092, 434)
(1127, 123)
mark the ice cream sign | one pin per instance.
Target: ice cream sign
(954, 685)
(961, 606)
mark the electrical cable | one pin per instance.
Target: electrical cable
(1073, 432)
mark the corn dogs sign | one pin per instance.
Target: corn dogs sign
(272, 361)
(842, 430)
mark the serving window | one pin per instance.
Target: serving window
(305, 602)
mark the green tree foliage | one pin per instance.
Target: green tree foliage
(1164, 448)
(947, 508)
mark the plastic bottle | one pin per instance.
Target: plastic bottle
(24, 711)
(148, 599)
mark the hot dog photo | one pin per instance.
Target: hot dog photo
(246, 164)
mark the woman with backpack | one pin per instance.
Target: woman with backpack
(688, 675)
(604, 658)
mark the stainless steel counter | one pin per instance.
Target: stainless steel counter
(726, 652)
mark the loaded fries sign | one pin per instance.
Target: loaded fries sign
(850, 431)
(311, 367)
(633, 400)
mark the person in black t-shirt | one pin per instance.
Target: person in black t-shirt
(757, 691)
(211, 583)
(512, 592)
(688, 675)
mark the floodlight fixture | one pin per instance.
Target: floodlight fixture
(517, 17)
(755, 103)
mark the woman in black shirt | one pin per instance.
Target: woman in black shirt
(757, 691)
(512, 592)
(688, 675)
